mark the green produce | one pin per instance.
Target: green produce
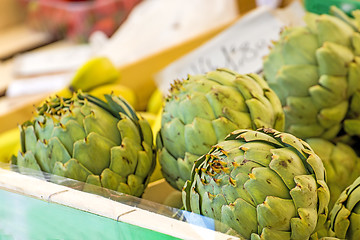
(263, 184)
(315, 71)
(352, 122)
(345, 216)
(202, 109)
(341, 163)
(90, 140)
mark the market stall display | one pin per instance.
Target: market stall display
(221, 154)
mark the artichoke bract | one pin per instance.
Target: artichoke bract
(84, 138)
(341, 163)
(263, 184)
(315, 71)
(202, 109)
(345, 215)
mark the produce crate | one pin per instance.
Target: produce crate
(322, 6)
(52, 207)
(36, 208)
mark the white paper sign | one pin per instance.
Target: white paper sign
(241, 48)
(52, 61)
(35, 85)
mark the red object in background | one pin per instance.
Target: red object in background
(76, 0)
(77, 19)
(106, 25)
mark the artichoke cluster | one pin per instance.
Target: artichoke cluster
(262, 181)
(90, 140)
(263, 184)
(341, 162)
(202, 109)
(315, 71)
(271, 157)
(345, 216)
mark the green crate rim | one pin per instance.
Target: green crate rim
(323, 6)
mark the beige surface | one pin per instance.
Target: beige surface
(6, 67)
(14, 111)
(246, 5)
(5, 74)
(11, 13)
(19, 38)
(15, 36)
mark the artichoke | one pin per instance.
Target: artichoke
(84, 138)
(345, 215)
(341, 163)
(263, 184)
(202, 109)
(315, 71)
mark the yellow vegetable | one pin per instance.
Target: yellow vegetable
(98, 75)
(155, 128)
(116, 89)
(9, 144)
(65, 92)
(95, 72)
(155, 102)
(150, 117)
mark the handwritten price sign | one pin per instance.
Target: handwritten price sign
(240, 48)
(232, 57)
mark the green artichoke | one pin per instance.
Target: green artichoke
(87, 139)
(345, 215)
(341, 163)
(263, 184)
(352, 120)
(315, 71)
(202, 109)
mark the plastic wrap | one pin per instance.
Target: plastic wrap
(195, 224)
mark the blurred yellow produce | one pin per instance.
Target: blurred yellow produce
(150, 117)
(94, 73)
(157, 123)
(98, 77)
(116, 89)
(155, 126)
(65, 92)
(9, 144)
(155, 102)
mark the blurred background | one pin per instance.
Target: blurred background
(136, 28)
(80, 28)
(44, 42)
